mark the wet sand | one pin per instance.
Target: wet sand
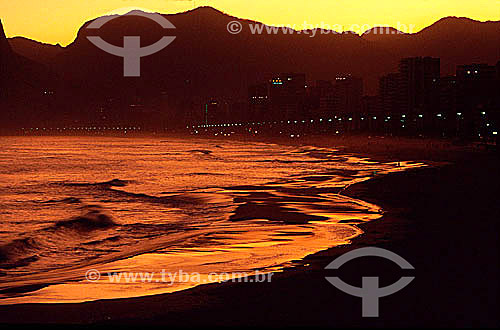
(442, 219)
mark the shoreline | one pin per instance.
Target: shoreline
(205, 304)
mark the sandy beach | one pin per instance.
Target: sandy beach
(443, 219)
(184, 163)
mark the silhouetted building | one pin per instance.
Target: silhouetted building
(476, 83)
(258, 101)
(286, 95)
(476, 98)
(371, 107)
(348, 92)
(347, 98)
(324, 97)
(238, 111)
(420, 84)
(448, 107)
(391, 93)
(448, 94)
(211, 112)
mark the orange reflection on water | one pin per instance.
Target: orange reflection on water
(233, 208)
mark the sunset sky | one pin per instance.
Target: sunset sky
(57, 21)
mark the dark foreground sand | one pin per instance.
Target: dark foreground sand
(443, 220)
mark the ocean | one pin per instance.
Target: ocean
(70, 205)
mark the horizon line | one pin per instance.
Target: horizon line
(144, 10)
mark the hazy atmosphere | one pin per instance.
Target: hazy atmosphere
(250, 163)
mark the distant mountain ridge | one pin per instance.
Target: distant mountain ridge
(451, 24)
(34, 50)
(440, 39)
(206, 61)
(4, 44)
(5, 62)
(5, 53)
(21, 82)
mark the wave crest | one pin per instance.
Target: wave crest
(91, 221)
(19, 252)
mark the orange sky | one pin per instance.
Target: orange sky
(57, 21)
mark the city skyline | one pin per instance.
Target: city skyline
(359, 77)
(414, 101)
(230, 163)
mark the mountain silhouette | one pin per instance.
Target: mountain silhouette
(22, 84)
(6, 61)
(34, 50)
(206, 61)
(4, 43)
(456, 40)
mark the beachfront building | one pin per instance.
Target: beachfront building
(258, 102)
(347, 98)
(409, 99)
(477, 98)
(371, 108)
(325, 98)
(419, 82)
(287, 93)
